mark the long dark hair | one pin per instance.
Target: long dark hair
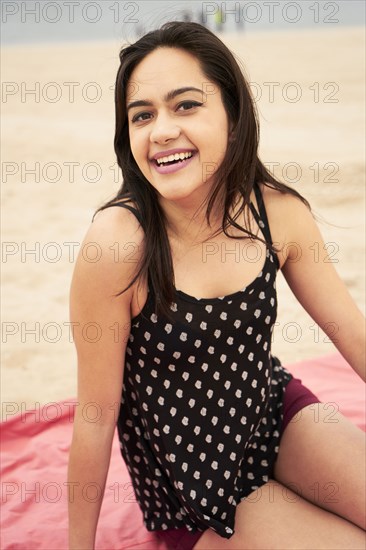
(240, 170)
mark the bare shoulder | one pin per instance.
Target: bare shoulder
(285, 207)
(110, 252)
(284, 202)
(289, 219)
(116, 223)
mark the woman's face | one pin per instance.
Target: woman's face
(178, 126)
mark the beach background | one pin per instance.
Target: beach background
(305, 62)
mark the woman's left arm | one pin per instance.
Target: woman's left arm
(315, 282)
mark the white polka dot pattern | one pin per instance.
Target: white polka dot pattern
(201, 409)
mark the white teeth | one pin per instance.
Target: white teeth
(176, 156)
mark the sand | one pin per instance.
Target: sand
(312, 128)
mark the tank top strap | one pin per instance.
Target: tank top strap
(262, 220)
(261, 216)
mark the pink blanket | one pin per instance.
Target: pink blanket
(34, 460)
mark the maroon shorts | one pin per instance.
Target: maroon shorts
(297, 397)
(178, 539)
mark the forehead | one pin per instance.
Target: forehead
(165, 69)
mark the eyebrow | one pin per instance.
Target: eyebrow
(168, 97)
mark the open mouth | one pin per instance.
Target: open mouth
(173, 159)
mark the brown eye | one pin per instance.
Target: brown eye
(139, 117)
(187, 105)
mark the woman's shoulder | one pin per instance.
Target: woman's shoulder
(289, 218)
(283, 206)
(112, 247)
(119, 221)
(283, 197)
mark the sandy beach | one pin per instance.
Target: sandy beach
(58, 166)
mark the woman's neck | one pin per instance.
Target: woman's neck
(189, 224)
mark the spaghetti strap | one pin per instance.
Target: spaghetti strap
(262, 219)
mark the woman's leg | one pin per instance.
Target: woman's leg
(322, 457)
(276, 518)
(317, 499)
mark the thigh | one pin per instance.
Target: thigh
(322, 458)
(276, 518)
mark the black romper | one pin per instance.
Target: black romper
(202, 403)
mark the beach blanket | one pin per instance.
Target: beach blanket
(34, 454)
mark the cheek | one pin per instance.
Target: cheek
(137, 148)
(218, 149)
(224, 137)
(132, 137)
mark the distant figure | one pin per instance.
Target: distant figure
(239, 22)
(187, 16)
(219, 20)
(140, 31)
(201, 19)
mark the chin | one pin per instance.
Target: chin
(175, 197)
(183, 194)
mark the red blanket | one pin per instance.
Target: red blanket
(34, 461)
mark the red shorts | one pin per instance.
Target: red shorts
(297, 397)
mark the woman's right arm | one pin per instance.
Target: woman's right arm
(101, 327)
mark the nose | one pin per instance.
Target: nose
(164, 129)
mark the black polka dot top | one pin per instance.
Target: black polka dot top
(201, 407)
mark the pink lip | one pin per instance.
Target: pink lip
(170, 168)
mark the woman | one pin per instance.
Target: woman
(185, 324)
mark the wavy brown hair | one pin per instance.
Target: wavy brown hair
(240, 170)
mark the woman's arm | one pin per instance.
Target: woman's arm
(101, 329)
(314, 280)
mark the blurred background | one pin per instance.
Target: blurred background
(305, 63)
(31, 21)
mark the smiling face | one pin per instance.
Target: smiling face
(178, 126)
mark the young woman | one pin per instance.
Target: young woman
(182, 356)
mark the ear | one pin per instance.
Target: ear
(232, 132)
